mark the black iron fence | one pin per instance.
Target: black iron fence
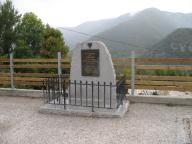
(59, 91)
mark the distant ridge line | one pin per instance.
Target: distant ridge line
(103, 38)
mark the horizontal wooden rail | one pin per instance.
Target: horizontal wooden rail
(163, 83)
(22, 79)
(5, 82)
(163, 67)
(4, 78)
(41, 60)
(121, 59)
(174, 88)
(122, 66)
(27, 83)
(163, 59)
(37, 60)
(164, 78)
(3, 74)
(153, 59)
(36, 66)
(4, 60)
(4, 66)
(26, 78)
(44, 75)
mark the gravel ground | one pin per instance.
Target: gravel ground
(20, 123)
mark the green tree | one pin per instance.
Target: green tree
(9, 18)
(53, 42)
(23, 50)
(30, 36)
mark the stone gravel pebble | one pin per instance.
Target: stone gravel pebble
(21, 123)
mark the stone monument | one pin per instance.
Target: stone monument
(92, 87)
(92, 63)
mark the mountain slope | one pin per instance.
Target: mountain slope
(143, 30)
(130, 32)
(91, 28)
(176, 44)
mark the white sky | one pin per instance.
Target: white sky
(73, 12)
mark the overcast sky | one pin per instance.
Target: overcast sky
(73, 12)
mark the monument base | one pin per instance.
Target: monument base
(85, 111)
(96, 103)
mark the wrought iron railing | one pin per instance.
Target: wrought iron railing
(58, 91)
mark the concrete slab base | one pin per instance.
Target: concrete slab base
(21, 92)
(170, 100)
(85, 111)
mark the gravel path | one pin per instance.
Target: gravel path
(20, 123)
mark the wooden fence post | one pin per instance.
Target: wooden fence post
(132, 73)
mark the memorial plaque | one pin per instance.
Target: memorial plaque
(90, 62)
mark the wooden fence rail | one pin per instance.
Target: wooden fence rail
(42, 68)
(38, 69)
(153, 60)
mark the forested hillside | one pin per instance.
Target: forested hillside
(176, 44)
